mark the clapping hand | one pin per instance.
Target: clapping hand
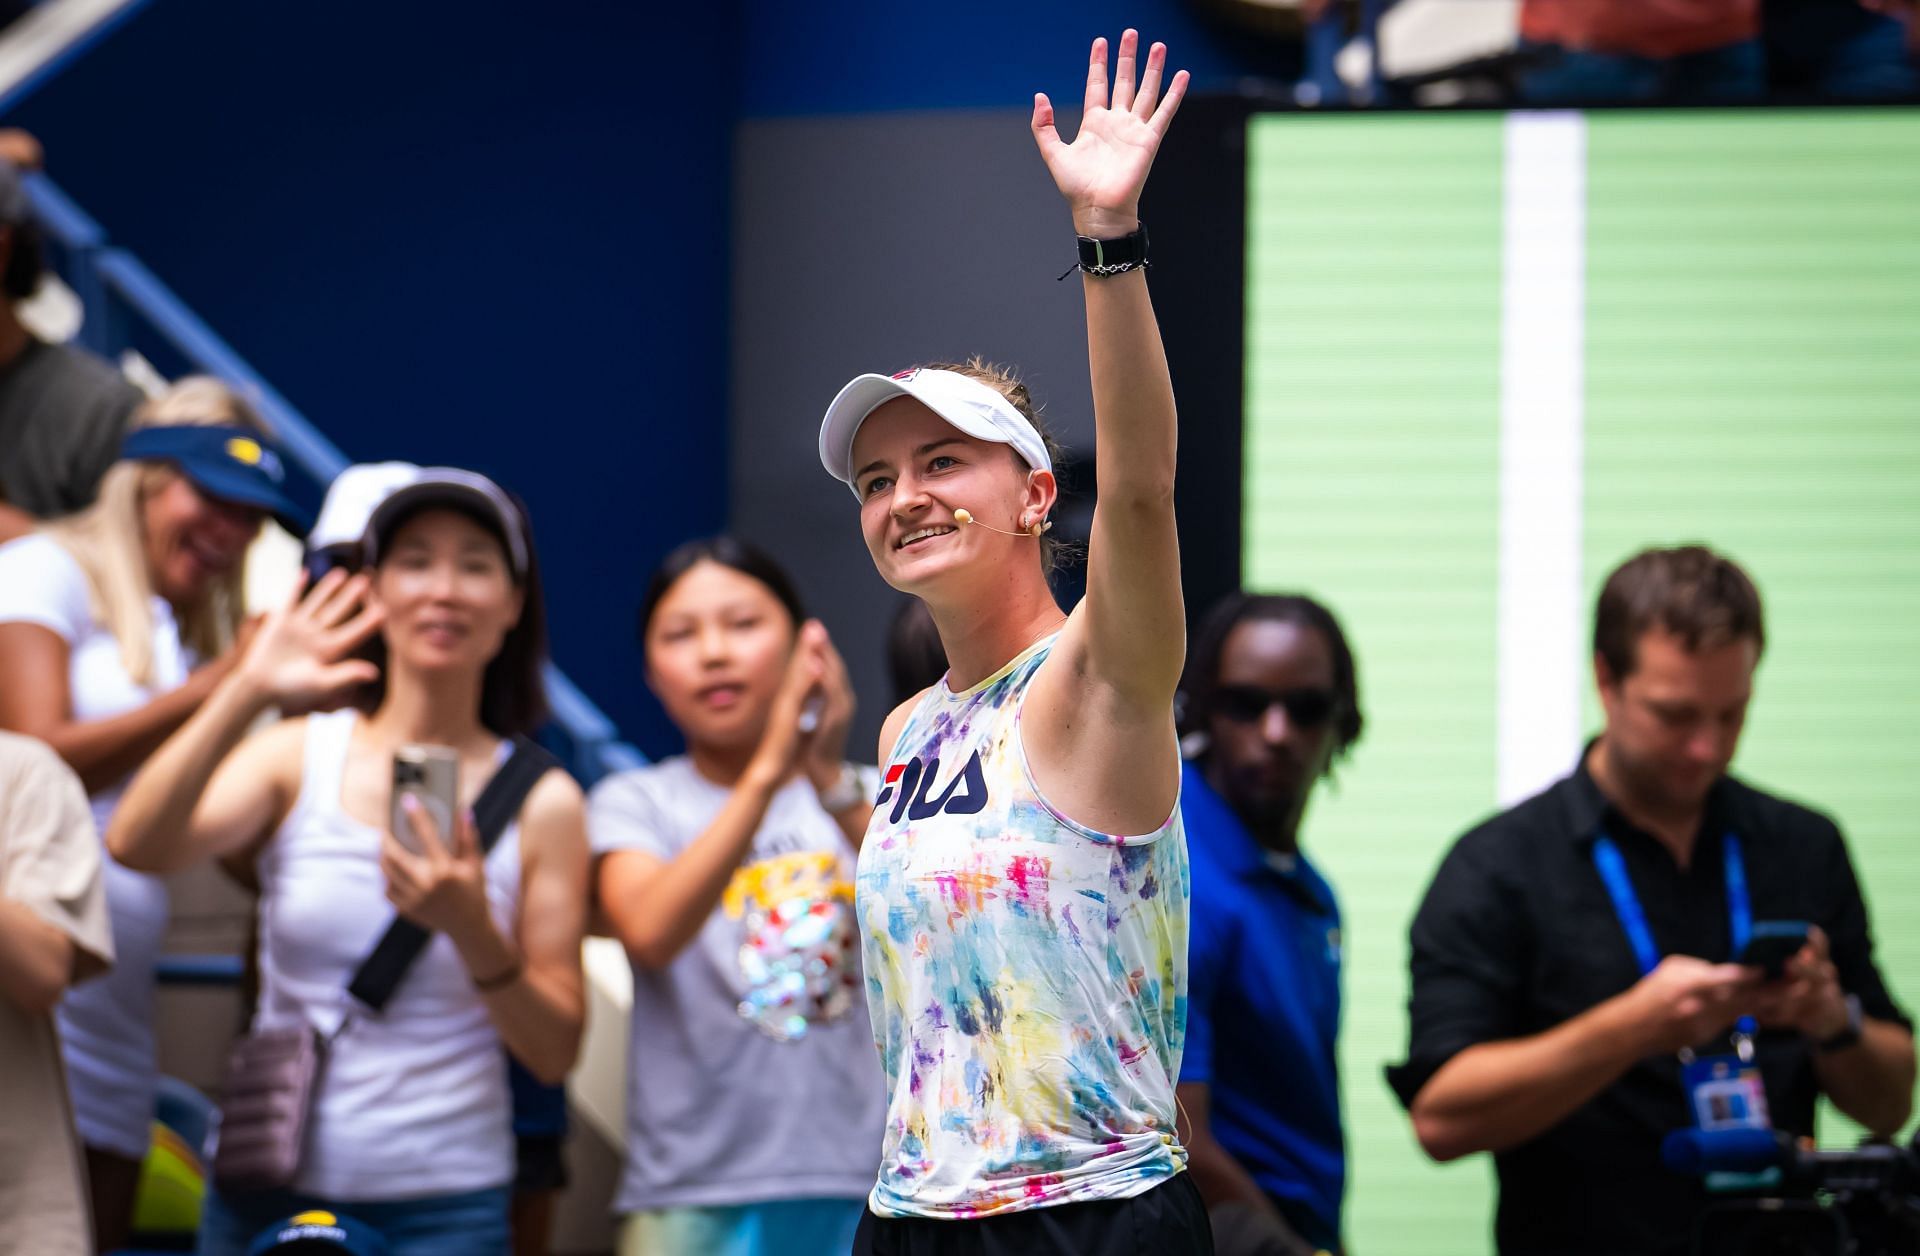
(1103, 170)
(825, 751)
(816, 681)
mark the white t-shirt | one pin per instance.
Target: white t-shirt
(751, 1073)
(106, 1026)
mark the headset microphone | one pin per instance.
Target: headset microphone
(964, 516)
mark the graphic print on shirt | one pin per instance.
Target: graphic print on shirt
(965, 794)
(1026, 977)
(797, 941)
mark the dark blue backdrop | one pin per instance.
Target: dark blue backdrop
(497, 234)
(867, 55)
(486, 234)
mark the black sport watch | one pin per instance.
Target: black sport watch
(1113, 257)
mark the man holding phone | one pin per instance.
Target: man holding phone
(1577, 962)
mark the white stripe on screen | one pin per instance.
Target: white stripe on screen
(1542, 388)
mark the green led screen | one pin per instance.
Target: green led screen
(1489, 356)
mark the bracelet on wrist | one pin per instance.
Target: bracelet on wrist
(491, 985)
(1115, 256)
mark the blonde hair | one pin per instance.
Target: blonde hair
(108, 538)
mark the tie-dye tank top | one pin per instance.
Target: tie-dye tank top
(1026, 976)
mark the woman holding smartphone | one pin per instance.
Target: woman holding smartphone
(753, 1100)
(410, 1126)
(1023, 884)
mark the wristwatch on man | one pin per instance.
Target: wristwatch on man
(1848, 1036)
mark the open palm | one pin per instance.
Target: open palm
(1103, 170)
(302, 653)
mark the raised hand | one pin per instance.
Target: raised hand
(299, 656)
(1103, 170)
(826, 749)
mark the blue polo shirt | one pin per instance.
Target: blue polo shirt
(1263, 1009)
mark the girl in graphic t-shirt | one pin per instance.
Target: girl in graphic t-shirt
(115, 625)
(1022, 888)
(753, 1098)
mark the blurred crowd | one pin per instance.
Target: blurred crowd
(1586, 968)
(725, 873)
(1583, 52)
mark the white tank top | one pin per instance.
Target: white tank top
(1026, 975)
(411, 1102)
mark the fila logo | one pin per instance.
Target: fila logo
(906, 375)
(910, 785)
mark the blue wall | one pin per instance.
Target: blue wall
(497, 234)
(871, 55)
(488, 234)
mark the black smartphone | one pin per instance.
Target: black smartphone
(1772, 943)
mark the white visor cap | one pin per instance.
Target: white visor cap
(978, 410)
(351, 499)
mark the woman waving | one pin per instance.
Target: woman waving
(409, 1125)
(1022, 887)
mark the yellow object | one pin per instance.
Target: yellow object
(245, 449)
(173, 1183)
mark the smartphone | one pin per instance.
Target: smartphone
(432, 775)
(1772, 943)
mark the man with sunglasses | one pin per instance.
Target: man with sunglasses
(1270, 702)
(1582, 985)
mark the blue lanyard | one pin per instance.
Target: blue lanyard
(1633, 917)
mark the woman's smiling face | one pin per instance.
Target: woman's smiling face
(912, 470)
(448, 592)
(192, 538)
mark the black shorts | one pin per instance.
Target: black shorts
(539, 1163)
(1169, 1220)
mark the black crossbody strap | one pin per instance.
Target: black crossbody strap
(381, 971)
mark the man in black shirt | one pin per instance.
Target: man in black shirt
(1539, 1030)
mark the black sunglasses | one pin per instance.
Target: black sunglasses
(1244, 704)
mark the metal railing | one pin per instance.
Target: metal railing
(126, 305)
(43, 41)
